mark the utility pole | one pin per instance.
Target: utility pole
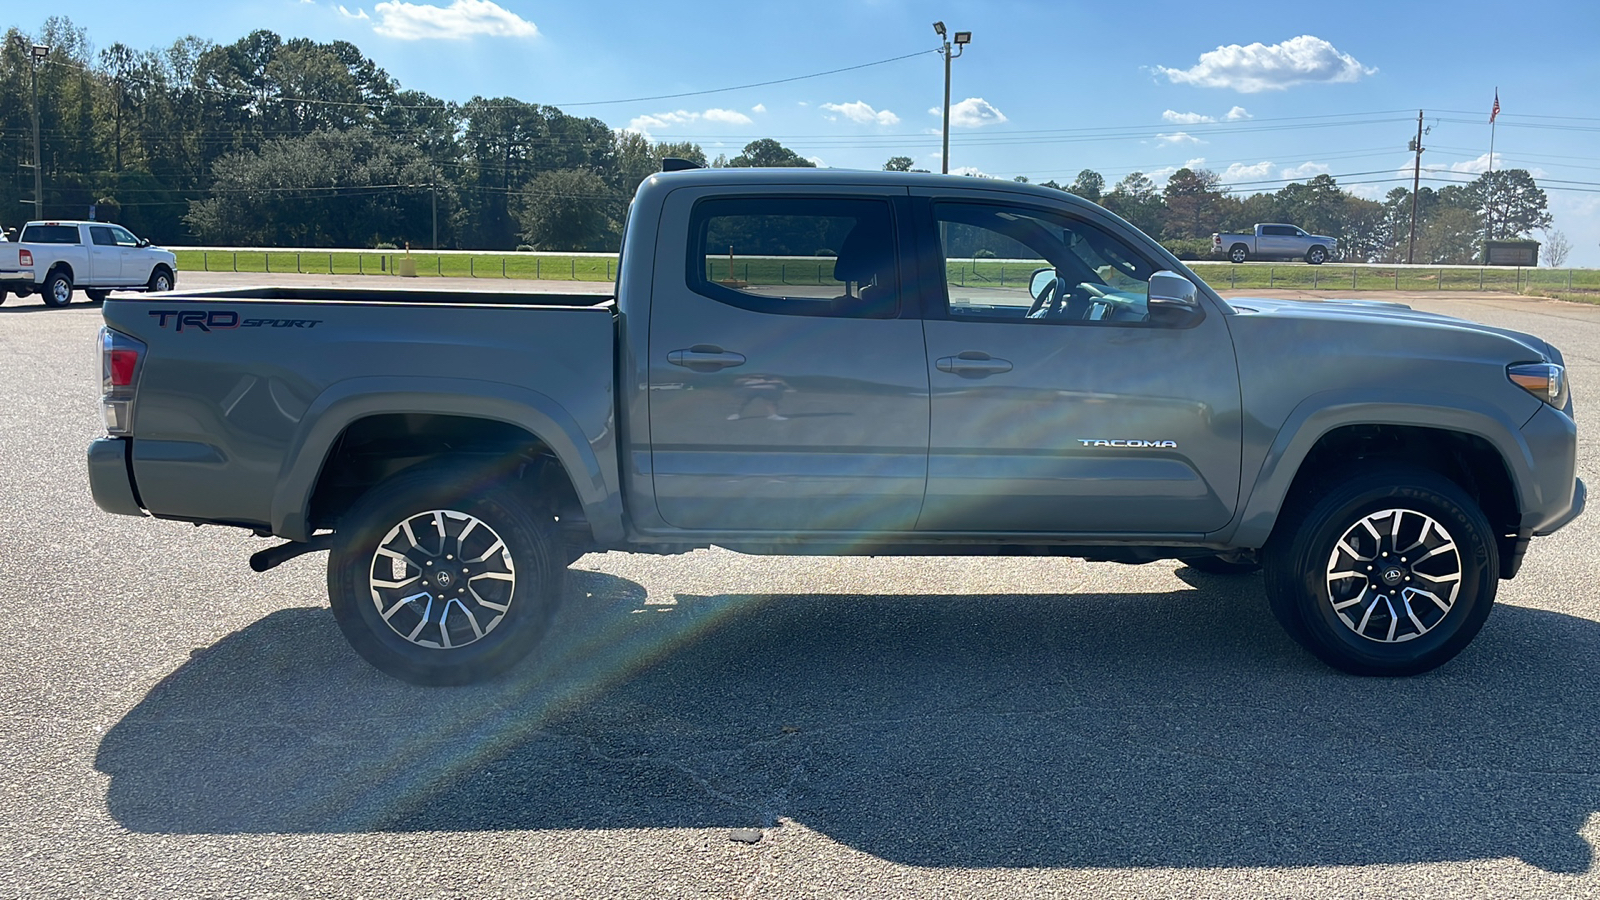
(1416, 183)
(962, 38)
(38, 53)
(433, 189)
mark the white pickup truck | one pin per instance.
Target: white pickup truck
(54, 258)
(1275, 242)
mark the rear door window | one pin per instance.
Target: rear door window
(798, 256)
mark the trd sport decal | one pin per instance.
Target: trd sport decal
(209, 320)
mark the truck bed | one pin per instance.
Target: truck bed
(243, 391)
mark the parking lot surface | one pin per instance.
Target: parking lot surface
(175, 725)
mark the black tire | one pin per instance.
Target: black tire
(96, 296)
(1323, 534)
(1216, 565)
(1317, 255)
(160, 280)
(57, 290)
(480, 641)
(1238, 253)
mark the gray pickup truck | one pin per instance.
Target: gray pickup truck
(1275, 242)
(844, 363)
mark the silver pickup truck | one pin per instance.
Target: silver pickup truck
(830, 362)
(1275, 242)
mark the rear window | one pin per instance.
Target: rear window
(50, 234)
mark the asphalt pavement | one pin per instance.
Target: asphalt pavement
(175, 725)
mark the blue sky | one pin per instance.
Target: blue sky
(1044, 90)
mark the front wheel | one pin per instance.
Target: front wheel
(1386, 572)
(57, 290)
(160, 280)
(1317, 255)
(441, 576)
(96, 296)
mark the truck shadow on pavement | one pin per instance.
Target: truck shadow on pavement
(1112, 730)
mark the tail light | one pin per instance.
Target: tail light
(120, 357)
(25, 258)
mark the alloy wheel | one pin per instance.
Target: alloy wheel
(442, 579)
(1394, 576)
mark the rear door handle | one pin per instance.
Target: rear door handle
(972, 364)
(705, 358)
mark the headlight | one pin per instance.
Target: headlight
(1547, 381)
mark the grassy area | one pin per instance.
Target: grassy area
(1575, 284)
(376, 262)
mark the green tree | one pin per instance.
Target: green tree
(898, 164)
(1193, 203)
(1089, 185)
(568, 209)
(325, 189)
(768, 153)
(1450, 237)
(1135, 198)
(1512, 203)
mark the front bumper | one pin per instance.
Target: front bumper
(111, 479)
(1579, 496)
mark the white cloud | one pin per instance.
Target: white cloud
(1160, 176)
(1236, 172)
(817, 161)
(647, 125)
(1304, 170)
(727, 117)
(1237, 114)
(1179, 137)
(358, 15)
(759, 108)
(1178, 118)
(973, 112)
(862, 113)
(1258, 67)
(461, 19)
(968, 170)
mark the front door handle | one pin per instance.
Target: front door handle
(972, 364)
(705, 358)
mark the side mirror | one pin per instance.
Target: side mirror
(1042, 278)
(1174, 300)
(144, 242)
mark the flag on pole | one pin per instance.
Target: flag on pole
(1496, 111)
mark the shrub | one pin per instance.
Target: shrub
(385, 245)
(983, 253)
(524, 248)
(1189, 248)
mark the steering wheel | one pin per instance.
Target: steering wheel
(1049, 300)
(1094, 290)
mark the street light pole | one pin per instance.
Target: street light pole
(962, 38)
(39, 52)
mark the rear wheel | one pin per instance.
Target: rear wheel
(1238, 254)
(57, 289)
(96, 296)
(439, 576)
(1386, 572)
